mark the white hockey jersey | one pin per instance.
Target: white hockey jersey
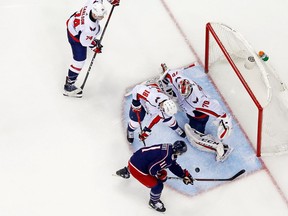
(80, 24)
(198, 100)
(150, 97)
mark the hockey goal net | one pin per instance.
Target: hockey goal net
(252, 89)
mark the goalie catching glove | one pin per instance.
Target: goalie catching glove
(187, 179)
(224, 126)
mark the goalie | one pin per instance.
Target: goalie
(198, 108)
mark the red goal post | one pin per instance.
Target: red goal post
(254, 85)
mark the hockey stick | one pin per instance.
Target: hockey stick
(139, 121)
(214, 179)
(94, 56)
(156, 78)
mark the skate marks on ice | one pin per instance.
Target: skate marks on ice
(242, 157)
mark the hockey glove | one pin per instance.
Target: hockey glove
(114, 2)
(162, 175)
(144, 134)
(187, 179)
(96, 46)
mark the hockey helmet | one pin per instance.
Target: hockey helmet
(168, 107)
(179, 147)
(185, 87)
(98, 10)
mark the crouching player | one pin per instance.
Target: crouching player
(150, 101)
(148, 165)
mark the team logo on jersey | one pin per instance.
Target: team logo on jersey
(196, 100)
(92, 29)
(157, 99)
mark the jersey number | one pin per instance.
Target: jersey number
(76, 20)
(205, 104)
(146, 93)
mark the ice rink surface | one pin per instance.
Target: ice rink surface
(58, 154)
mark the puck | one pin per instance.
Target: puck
(197, 169)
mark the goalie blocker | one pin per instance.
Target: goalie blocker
(206, 142)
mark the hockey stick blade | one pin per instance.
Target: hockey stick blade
(224, 179)
(215, 179)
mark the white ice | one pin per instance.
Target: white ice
(58, 154)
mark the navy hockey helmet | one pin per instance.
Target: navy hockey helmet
(179, 147)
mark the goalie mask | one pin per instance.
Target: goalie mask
(168, 107)
(185, 87)
(179, 147)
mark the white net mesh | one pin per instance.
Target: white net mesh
(262, 80)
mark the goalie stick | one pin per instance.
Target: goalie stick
(159, 78)
(214, 179)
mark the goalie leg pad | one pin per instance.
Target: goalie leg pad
(200, 140)
(207, 142)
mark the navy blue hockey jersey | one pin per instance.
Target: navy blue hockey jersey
(151, 159)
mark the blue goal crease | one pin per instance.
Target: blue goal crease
(242, 157)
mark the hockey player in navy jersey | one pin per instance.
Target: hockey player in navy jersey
(149, 100)
(82, 30)
(148, 165)
(199, 107)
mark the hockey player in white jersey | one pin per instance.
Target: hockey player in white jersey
(82, 30)
(149, 100)
(198, 107)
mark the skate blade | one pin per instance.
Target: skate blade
(68, 94)
(223, 158)
(162, 212)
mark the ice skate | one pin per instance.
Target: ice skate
(180, 132)
(70, 90)
(227, 152)
(124, 173)
(158, 206)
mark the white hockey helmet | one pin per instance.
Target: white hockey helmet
(98, 9)
(169, 107)
(185, 87)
